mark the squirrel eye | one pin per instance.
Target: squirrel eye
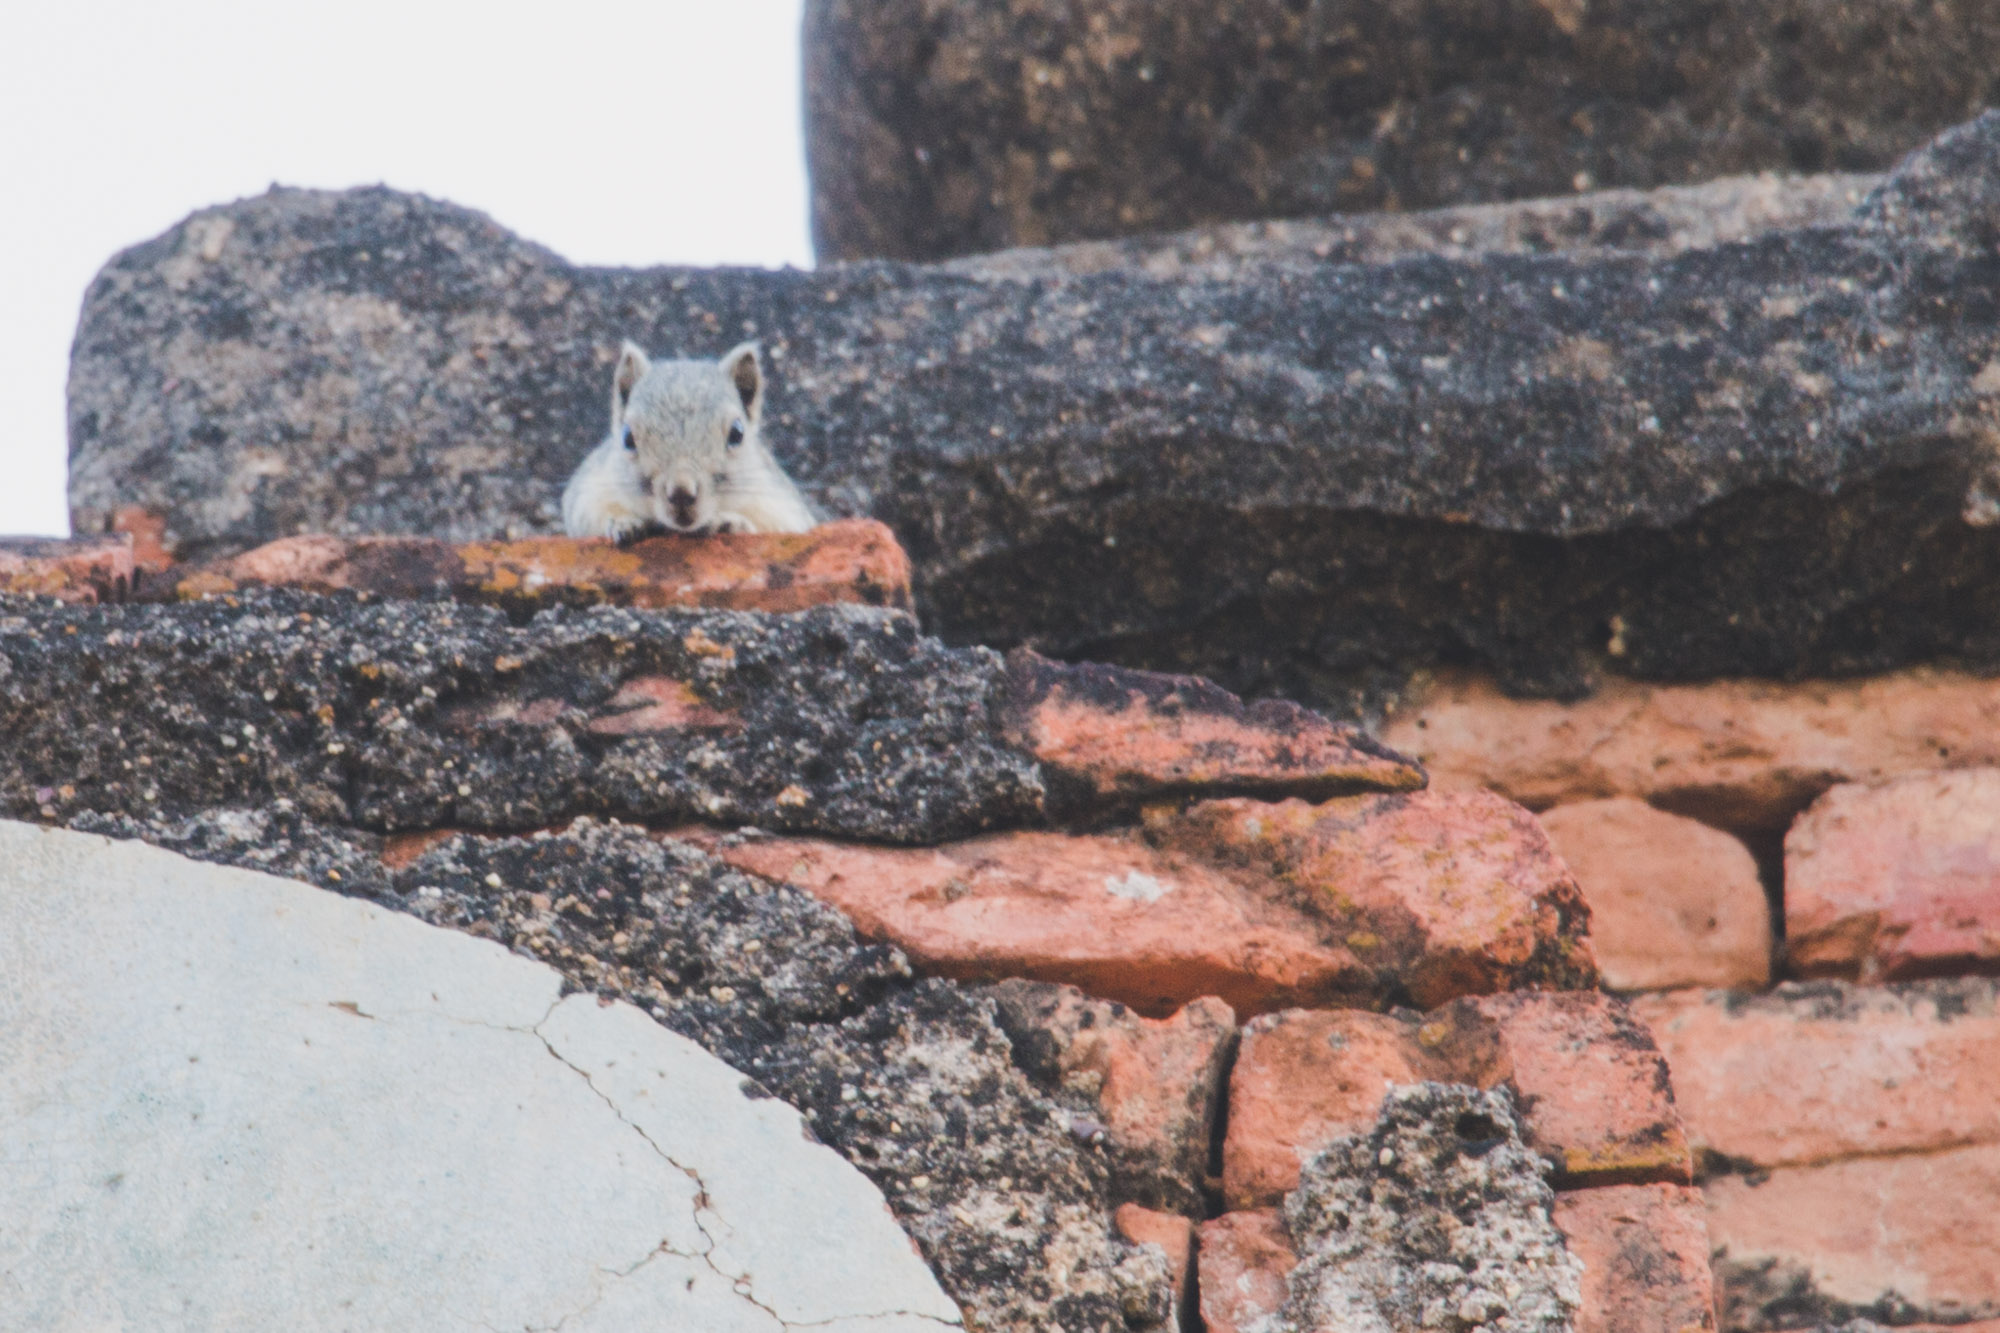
(630, 443)
(736, 432)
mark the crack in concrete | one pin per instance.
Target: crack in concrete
(740, 1283)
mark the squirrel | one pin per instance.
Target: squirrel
(684, 454)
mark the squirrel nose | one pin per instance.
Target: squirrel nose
(682, 500)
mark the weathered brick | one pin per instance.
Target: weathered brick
(1897, 879)
(1645, 1258)
(1673, 902)
(1822, 1071)
(857, 560)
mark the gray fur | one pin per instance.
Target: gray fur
(681, 470)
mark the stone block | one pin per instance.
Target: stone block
(1245, 1257)
(1592, 1088)
(1903, 1238)
(1897, 879)
(1645, 1258)
(1742, 755)
(1150, 1089)
(1673, 902)
(1360, 900)
(1107, 734)
(1764, 458)
(79, 570)
(1823, 1071)
(853, 561)
(951, 129)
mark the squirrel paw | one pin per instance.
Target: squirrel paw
(726, 523)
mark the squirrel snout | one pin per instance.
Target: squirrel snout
(682, 502)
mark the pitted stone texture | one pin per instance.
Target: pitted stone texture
(942, 129)
(912, 1083)
(1360, 900)
(1764, 458)
(1438, 1217)
(1645, 1258)
(1105, 735)
(1152, 1088)
(258, 1104)
(1744, 755)
(1824, 1071)
(1903, 1240)
(85, 569)
(1593, 1091)
(409, 715)
(855, 561)
(1673, 902)
(1898, 879)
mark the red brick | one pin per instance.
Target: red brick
(1268, 906)
(83, 569)
(1173, 1233)
(150, 553)
(1446, 894)
(1916, 1233)
(1593, 1089)
(1738, 755)
(1156, 1084)
(1596, 1097)
(1645, 1258)
(1898, 879)
(1830, 1070)
(1244, 1258)
(1113, 732)
(1120, 919)
(856, 560)
(1306, 1077)
(1673, 902)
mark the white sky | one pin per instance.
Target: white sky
(612, 131)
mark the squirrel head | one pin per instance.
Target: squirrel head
(685, 423)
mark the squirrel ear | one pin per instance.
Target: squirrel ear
(741, 365)
(632, 365)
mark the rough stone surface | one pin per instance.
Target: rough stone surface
(1901, 1240)
(1438, 1217)
(911, 1082)
(855, 561)
(1896, 880)
(945, 129)
(1744, 755)
(1106, 734)
(1244, 1259)
(1673, 902)
(410, 715)
(460, 1144)
(1822, 1071)
(1766, 458)
(1152, 1088)
(1663, 221)
(1267, 905)
(86, 569)
(1594, 1095)
(1645, 1258)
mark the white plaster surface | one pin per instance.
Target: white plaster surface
(234, 1102)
